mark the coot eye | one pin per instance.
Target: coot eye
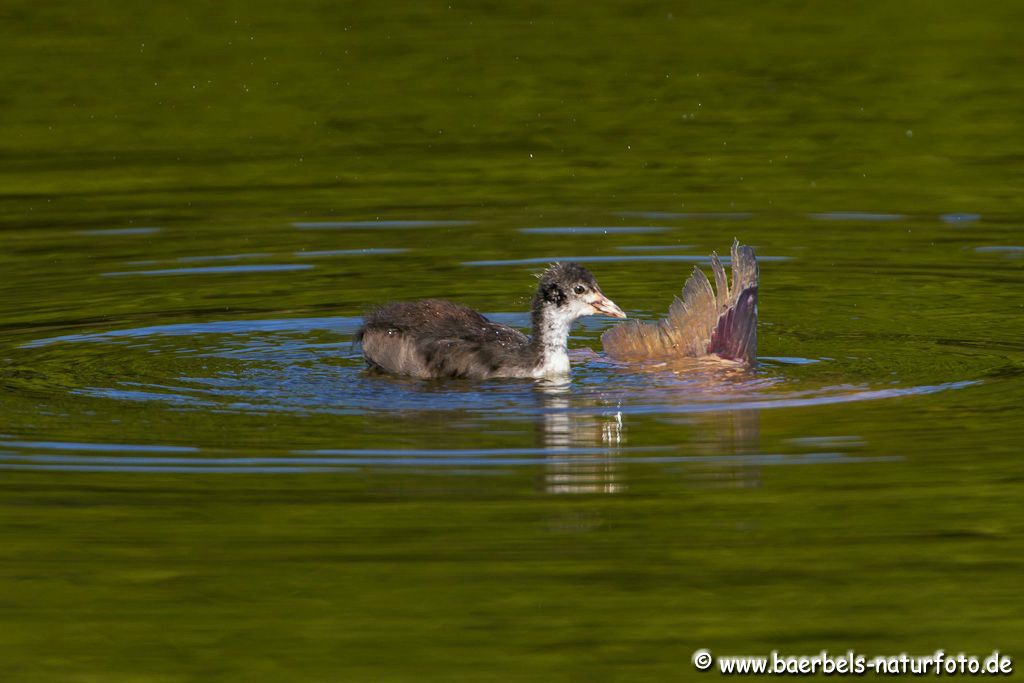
(579, 289)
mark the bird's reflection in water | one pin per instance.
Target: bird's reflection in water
(586, 437)
(566, 432)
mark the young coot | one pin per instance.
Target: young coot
(434, 338)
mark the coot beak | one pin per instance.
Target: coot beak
(606, 306)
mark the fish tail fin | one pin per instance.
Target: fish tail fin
(705, 321)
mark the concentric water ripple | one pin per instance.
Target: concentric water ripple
(309, 365)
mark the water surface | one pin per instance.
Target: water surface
(200, 482)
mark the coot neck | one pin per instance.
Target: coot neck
(550, 338)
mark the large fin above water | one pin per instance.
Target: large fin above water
(720, 321)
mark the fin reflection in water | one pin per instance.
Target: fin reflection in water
(587, 450)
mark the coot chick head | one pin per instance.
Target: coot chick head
(570, 291)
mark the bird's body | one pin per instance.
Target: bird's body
(434, 338)
(438, 338)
